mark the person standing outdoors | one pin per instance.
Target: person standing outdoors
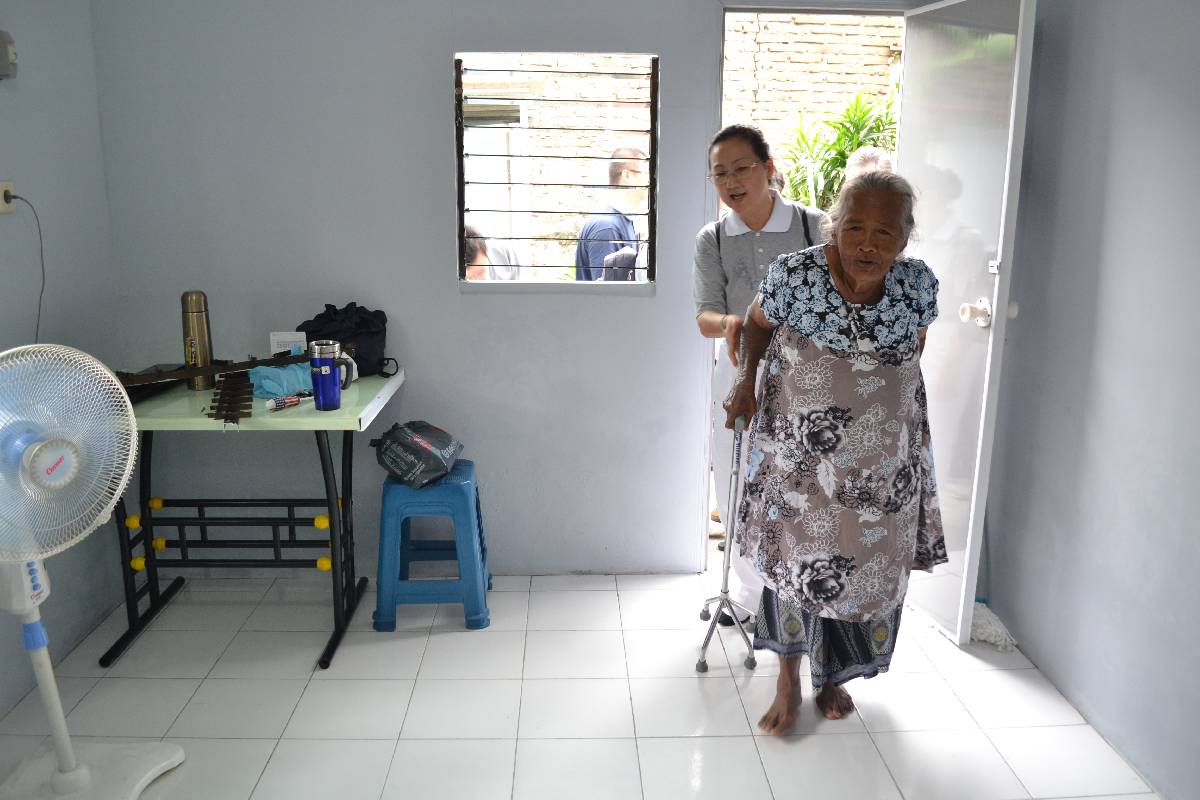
(605, 233)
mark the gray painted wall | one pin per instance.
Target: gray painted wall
(50, 147)
(1092, 516)
(280, 155)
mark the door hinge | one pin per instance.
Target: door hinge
(994, 267)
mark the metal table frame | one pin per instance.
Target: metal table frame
(347, 588)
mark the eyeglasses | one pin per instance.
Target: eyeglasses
(741, 172)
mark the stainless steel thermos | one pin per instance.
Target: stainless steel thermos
(197, 338)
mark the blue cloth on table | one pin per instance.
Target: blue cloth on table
(282, 381)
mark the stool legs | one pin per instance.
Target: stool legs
(482, 541)
(405, 548)
(385, 579)
(471, 568)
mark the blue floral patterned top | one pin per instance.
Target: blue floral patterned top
(799, 292)
(840, 498)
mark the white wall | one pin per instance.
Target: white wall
(279, 155)
(50, 148)
(1092, 520)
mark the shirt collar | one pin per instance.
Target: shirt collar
(779, 222)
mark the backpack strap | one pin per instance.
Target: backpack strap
(804, 219)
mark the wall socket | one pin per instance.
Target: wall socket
(6, 208)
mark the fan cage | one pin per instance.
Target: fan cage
(61, 393)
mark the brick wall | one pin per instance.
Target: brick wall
(777, 65)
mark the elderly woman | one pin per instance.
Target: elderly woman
(732, 255)
(840, 502)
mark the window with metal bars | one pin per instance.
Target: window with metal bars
(557, 166)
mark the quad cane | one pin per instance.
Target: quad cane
(722, 600)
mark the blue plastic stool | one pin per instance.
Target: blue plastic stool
(456, 496)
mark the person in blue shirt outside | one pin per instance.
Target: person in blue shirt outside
(606, 233)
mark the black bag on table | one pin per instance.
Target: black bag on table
(358, 329)
(416, 453)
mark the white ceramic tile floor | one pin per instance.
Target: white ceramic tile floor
(457, 709)
(361, 709)
(346, 768)
(574, 611)
(549, 583)
(245, 708)
(838, 766)
(582, 708)
(213, 768)
(29, 716)
(574, 654)
(480, 769)
(207, 610)
(172, 654)
(583, 687)
(581, 769)
(509, 611)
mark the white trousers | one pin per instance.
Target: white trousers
(745, 584)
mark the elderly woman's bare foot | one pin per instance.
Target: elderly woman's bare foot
(834, 702)
(781, 716)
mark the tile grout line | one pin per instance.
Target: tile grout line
(512, 791)
(637, 748)
(278, 739)
(882, 760)
(978, 727)
(213, 666)
(411, 694)
(270, 755)
(1085, 722)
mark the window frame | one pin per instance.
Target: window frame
(651, 199)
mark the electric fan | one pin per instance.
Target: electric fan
(67, 445)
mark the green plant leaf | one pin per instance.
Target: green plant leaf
(813, 162)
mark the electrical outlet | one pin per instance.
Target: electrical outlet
(6, 208)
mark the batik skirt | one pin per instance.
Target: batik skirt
(837, 651)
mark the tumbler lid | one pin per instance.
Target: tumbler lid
(324, 348)
(194, 301)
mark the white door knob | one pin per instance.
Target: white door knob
(979, 312)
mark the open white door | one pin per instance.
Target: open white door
(961, 132)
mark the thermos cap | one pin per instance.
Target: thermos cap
(194, 301)
(324, 348)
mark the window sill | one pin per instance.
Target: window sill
(623, 288)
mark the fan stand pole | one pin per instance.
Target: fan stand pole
(71, 775)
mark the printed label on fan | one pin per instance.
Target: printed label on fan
(53, 464)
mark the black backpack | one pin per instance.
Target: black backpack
(359, 330)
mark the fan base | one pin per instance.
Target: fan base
(118, 771)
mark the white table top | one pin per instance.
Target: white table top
(179, 409)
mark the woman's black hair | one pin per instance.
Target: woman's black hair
(472, 244)
(748, 134)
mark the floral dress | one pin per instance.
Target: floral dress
(840, 500)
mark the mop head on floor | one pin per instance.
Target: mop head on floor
(987, 627)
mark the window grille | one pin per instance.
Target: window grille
(551, 146)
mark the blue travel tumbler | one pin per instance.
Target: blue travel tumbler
(324, 359)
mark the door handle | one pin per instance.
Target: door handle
(979, 312)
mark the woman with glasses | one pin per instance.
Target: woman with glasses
(732, 256)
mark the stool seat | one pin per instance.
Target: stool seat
(454, 495)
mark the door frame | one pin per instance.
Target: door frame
(985, 445)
